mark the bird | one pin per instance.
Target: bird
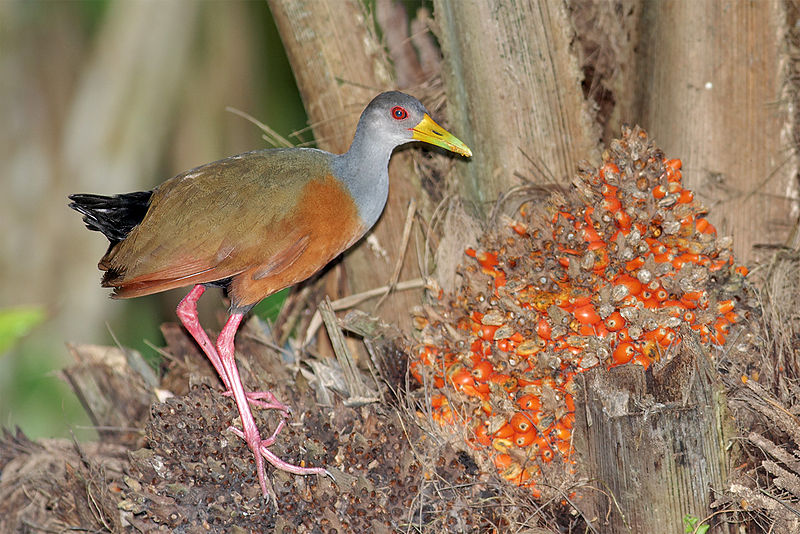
(253, 224)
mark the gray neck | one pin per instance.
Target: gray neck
(364, 169)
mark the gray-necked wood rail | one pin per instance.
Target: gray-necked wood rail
(254, 224)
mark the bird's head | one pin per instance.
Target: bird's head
(397, 118)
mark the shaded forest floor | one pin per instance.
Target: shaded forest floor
(173, 465)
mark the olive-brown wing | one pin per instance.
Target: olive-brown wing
(215, 222)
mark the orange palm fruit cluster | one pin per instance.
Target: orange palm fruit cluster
(606, 274)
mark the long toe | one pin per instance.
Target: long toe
(266, 454)
(256, 399)
(272, 458)
(264, 442)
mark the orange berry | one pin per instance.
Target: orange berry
(668, 338)
(568, 420)
(502, 461)
(439, 400)
(481, 436)
(580, 300)
(622, 219)
(524, 439)
(520, 228)
(664, 257)
(601, 259)
(590, 235)
(655, 335)
(569, 402)
(502, 444)
(611, 203)
(530, 402)
(509, 383)
(704, 227)
(521, 422)
(693, 295)
(634, 264)
(686, 257)
(462, 378)
(504, 432)
(486, 259)
(586, 314)
(596, 245)
(609, 190)
(624, 353)
(724, 306)
(564, 447)
(673, 164)
(562, 433)
(482, 371)
(641, 359)
(478, 390)
(487, 331)
(543, 328)
(634, 286)
(600, 330)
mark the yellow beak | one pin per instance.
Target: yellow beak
(428, 131)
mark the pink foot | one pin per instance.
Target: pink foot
(249, 432)
(272, 403)
(272, 458)
(223, 359)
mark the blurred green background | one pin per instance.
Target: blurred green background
(110, 97)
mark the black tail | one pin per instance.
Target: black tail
(114, 216)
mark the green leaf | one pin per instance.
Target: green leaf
(270, 307)
(690, 524)
(15, 323)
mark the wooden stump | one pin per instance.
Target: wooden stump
(653, 443)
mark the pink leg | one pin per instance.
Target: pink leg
(250, 433)
(187, 313)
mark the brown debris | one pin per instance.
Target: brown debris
(55, 485)
(193, 475)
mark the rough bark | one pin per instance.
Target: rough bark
(711, 91)
(653, 445)
(513, 86)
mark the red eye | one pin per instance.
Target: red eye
(399, 113)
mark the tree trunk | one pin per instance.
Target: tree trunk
(653, 446)
(712, 91)
(513, 88)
